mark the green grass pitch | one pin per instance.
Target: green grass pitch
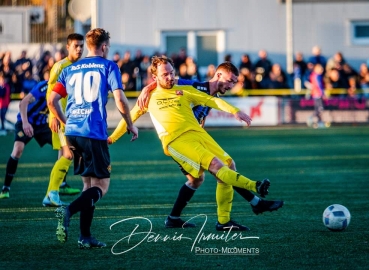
(309, 169)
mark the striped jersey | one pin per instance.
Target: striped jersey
(37, 112)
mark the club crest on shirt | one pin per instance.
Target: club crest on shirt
(179, 93)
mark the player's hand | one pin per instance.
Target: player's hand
(54, 125)
(28, 129)
(241, 116)
(134, 130)
(144, 97)
(109, 140)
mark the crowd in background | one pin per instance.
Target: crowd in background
(315, 73)
(23, 73)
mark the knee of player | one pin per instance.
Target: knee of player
(17, 151)
(215, 165)
(232, 166)
(195, 182)
(68, 154)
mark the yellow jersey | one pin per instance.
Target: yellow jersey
(54, 75)
(171, 112)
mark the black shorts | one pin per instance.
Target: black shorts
(91, 157)
(41, 133)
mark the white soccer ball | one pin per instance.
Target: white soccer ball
(336, 217)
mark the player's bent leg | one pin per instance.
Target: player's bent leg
(229, 176)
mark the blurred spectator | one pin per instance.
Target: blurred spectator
(127, 66)
(180, 59)
(336, 62)
(317, 93)
(317, 58)
(364, 79)
(127, 82)
(144, 65)
(192, 70)
(335, 80)
(248, 82)
(228, 58)
(22, 65)
(138, 59)
(210, 73)
(262, 68)
(245, 62)
(182, 74)
(299, 66)
(4, 102)
(28, 83)
(42, 63)
(47, 67)
(277, 78)
(116, 57)
(8, 71)
(59, 55)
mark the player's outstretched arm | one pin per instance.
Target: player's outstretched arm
(23, 108)
(122, 104)
(241, 116)
(222, 105)
(144, 98)
(121, 129)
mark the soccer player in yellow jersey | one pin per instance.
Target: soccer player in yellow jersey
(58, 173)
(183, 139)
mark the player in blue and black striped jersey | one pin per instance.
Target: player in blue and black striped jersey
(31, 123)
(224, 193)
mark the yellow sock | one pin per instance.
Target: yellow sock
(235, 179)
(224, 196)
(58, 173)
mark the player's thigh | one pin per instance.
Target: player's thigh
(94, 156)
(190, 152)
(42, 134)
(216, 149)
(19, 133)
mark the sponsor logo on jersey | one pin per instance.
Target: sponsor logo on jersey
(90, 65)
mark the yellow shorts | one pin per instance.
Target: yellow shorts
(55, 136)
(195, 150)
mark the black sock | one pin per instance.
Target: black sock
(247, 195)
(184, 196)
(11, 168)
(85, 221)
(86, 200)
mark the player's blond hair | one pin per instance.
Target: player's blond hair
(96, 37)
